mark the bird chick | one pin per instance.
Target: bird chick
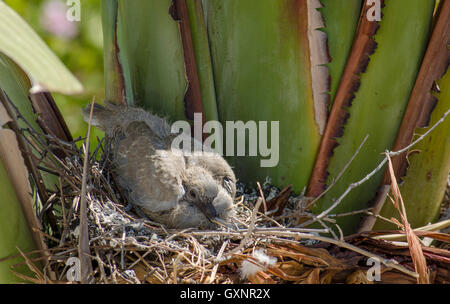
(216, 166)
(203, 193)
(170, 186)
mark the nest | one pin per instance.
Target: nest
(91, 236)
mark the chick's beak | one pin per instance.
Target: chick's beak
(209, 211)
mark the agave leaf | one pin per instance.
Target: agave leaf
(14, 231)
(20, 43)
(426, 180)
(422, 101)
(114, 80)
(17, 85)
(203, 58)
(340, 26)
(204, 69)
(262, 71)
(144, 56)
(420, 106)
(16, 204)
(378, 98)
(193, 97)
(18, 174)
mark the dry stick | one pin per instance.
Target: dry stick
(141, 259)
(415, 249)
(340, 199)
(378, 168)
(270, 219)
(33, 267)
(250, 229)
(161, 260)
(306, 230)
(340, 173)
(83, 245)
(43, 152)
(45, 234)
(240, 234)
(41, 147)
(101, 267)
(341, 234)
(401, 236)
(420, 137)
(174, 266)
(265, 207)
(322, 223)
(262, 196)
(219, 256)
(351, 187)
(66, 228)
(367, 225)
(365, 211)
(379, 217)
(122, 251)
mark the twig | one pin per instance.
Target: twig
(420, 137)
(341, 234)
(402, 236)
(249, 231)
(374, 171)
(219, 256)
(365, 211)
(83, 244)
(328, 229)
(33, 267)
(415, 249)
(368, 222)
(101, 267)
(340, 173)
(122, 251)
(262, 196)
(63, 202)
(351, 187)
(258, 232)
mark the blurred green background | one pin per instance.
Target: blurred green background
(79, 44)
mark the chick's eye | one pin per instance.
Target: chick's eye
(192, 194)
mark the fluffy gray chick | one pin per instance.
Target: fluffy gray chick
(170, 186)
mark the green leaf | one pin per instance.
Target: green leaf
(426, 180)
(14, 231)
(143, 43)
(341, 22)
(17, 86)
(262, 71)
(203, 58)
(20, 43)
(379, 103)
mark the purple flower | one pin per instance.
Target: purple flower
(54, 20)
